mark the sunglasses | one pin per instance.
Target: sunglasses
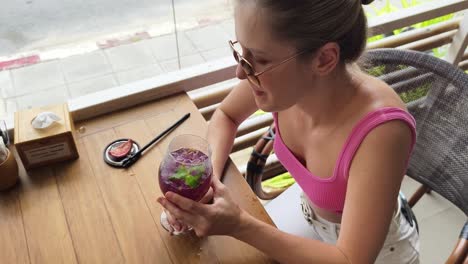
(247, 67)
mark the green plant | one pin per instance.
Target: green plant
(438, 52)
(376, 71)
(415, 94)
(389, 8)
(375, 38)
(386, 9)
(434, 21)
(412, 3)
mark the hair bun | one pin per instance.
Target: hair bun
(366, 2)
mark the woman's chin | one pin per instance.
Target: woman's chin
(270, 107)
(266, 107)
(263, 104)
(266, 104)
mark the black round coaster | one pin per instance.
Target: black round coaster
(118, 163)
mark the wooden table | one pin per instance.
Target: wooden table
(84, 211)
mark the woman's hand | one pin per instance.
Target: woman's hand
(177, 225)
(222, 217)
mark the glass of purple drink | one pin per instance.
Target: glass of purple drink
(186, 168)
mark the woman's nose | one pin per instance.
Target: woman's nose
(240, 73)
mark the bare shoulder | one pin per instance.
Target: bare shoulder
(372, 94)
(393, 136)
(380, 94)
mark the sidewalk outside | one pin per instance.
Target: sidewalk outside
(57, 80)
(49, 75)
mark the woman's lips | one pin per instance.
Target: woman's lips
(254, 89)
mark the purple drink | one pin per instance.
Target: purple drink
(187, 172)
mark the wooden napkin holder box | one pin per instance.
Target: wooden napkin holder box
(42, 147)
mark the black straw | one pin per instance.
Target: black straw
(133, 158)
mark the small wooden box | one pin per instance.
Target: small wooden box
(41, 147)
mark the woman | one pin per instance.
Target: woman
(344, 136)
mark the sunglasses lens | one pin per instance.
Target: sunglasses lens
(236, 56)
(250, 72)
(247, 68)
(254, 80)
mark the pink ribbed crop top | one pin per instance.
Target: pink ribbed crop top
(329, 193)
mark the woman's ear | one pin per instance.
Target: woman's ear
(327, 58)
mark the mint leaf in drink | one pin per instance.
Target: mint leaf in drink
(192, 181)
(180, 173)
(191, 176)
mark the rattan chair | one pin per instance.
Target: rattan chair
(440, 158)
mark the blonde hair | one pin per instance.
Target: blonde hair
(310, 24)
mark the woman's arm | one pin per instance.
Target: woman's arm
(234, 109)
(374, 182)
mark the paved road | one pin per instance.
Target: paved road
(35, 24)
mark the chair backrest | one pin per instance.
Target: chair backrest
(437, 95)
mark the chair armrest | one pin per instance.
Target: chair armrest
(256, 165)
(460, 252)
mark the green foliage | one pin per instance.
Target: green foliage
(389, 8)
(401, 67)
(377, 70)
(375, 38)
(433, 21)
(416, 93)
(407, 4)
(406, 96)
(386, 9)
(440, 52)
